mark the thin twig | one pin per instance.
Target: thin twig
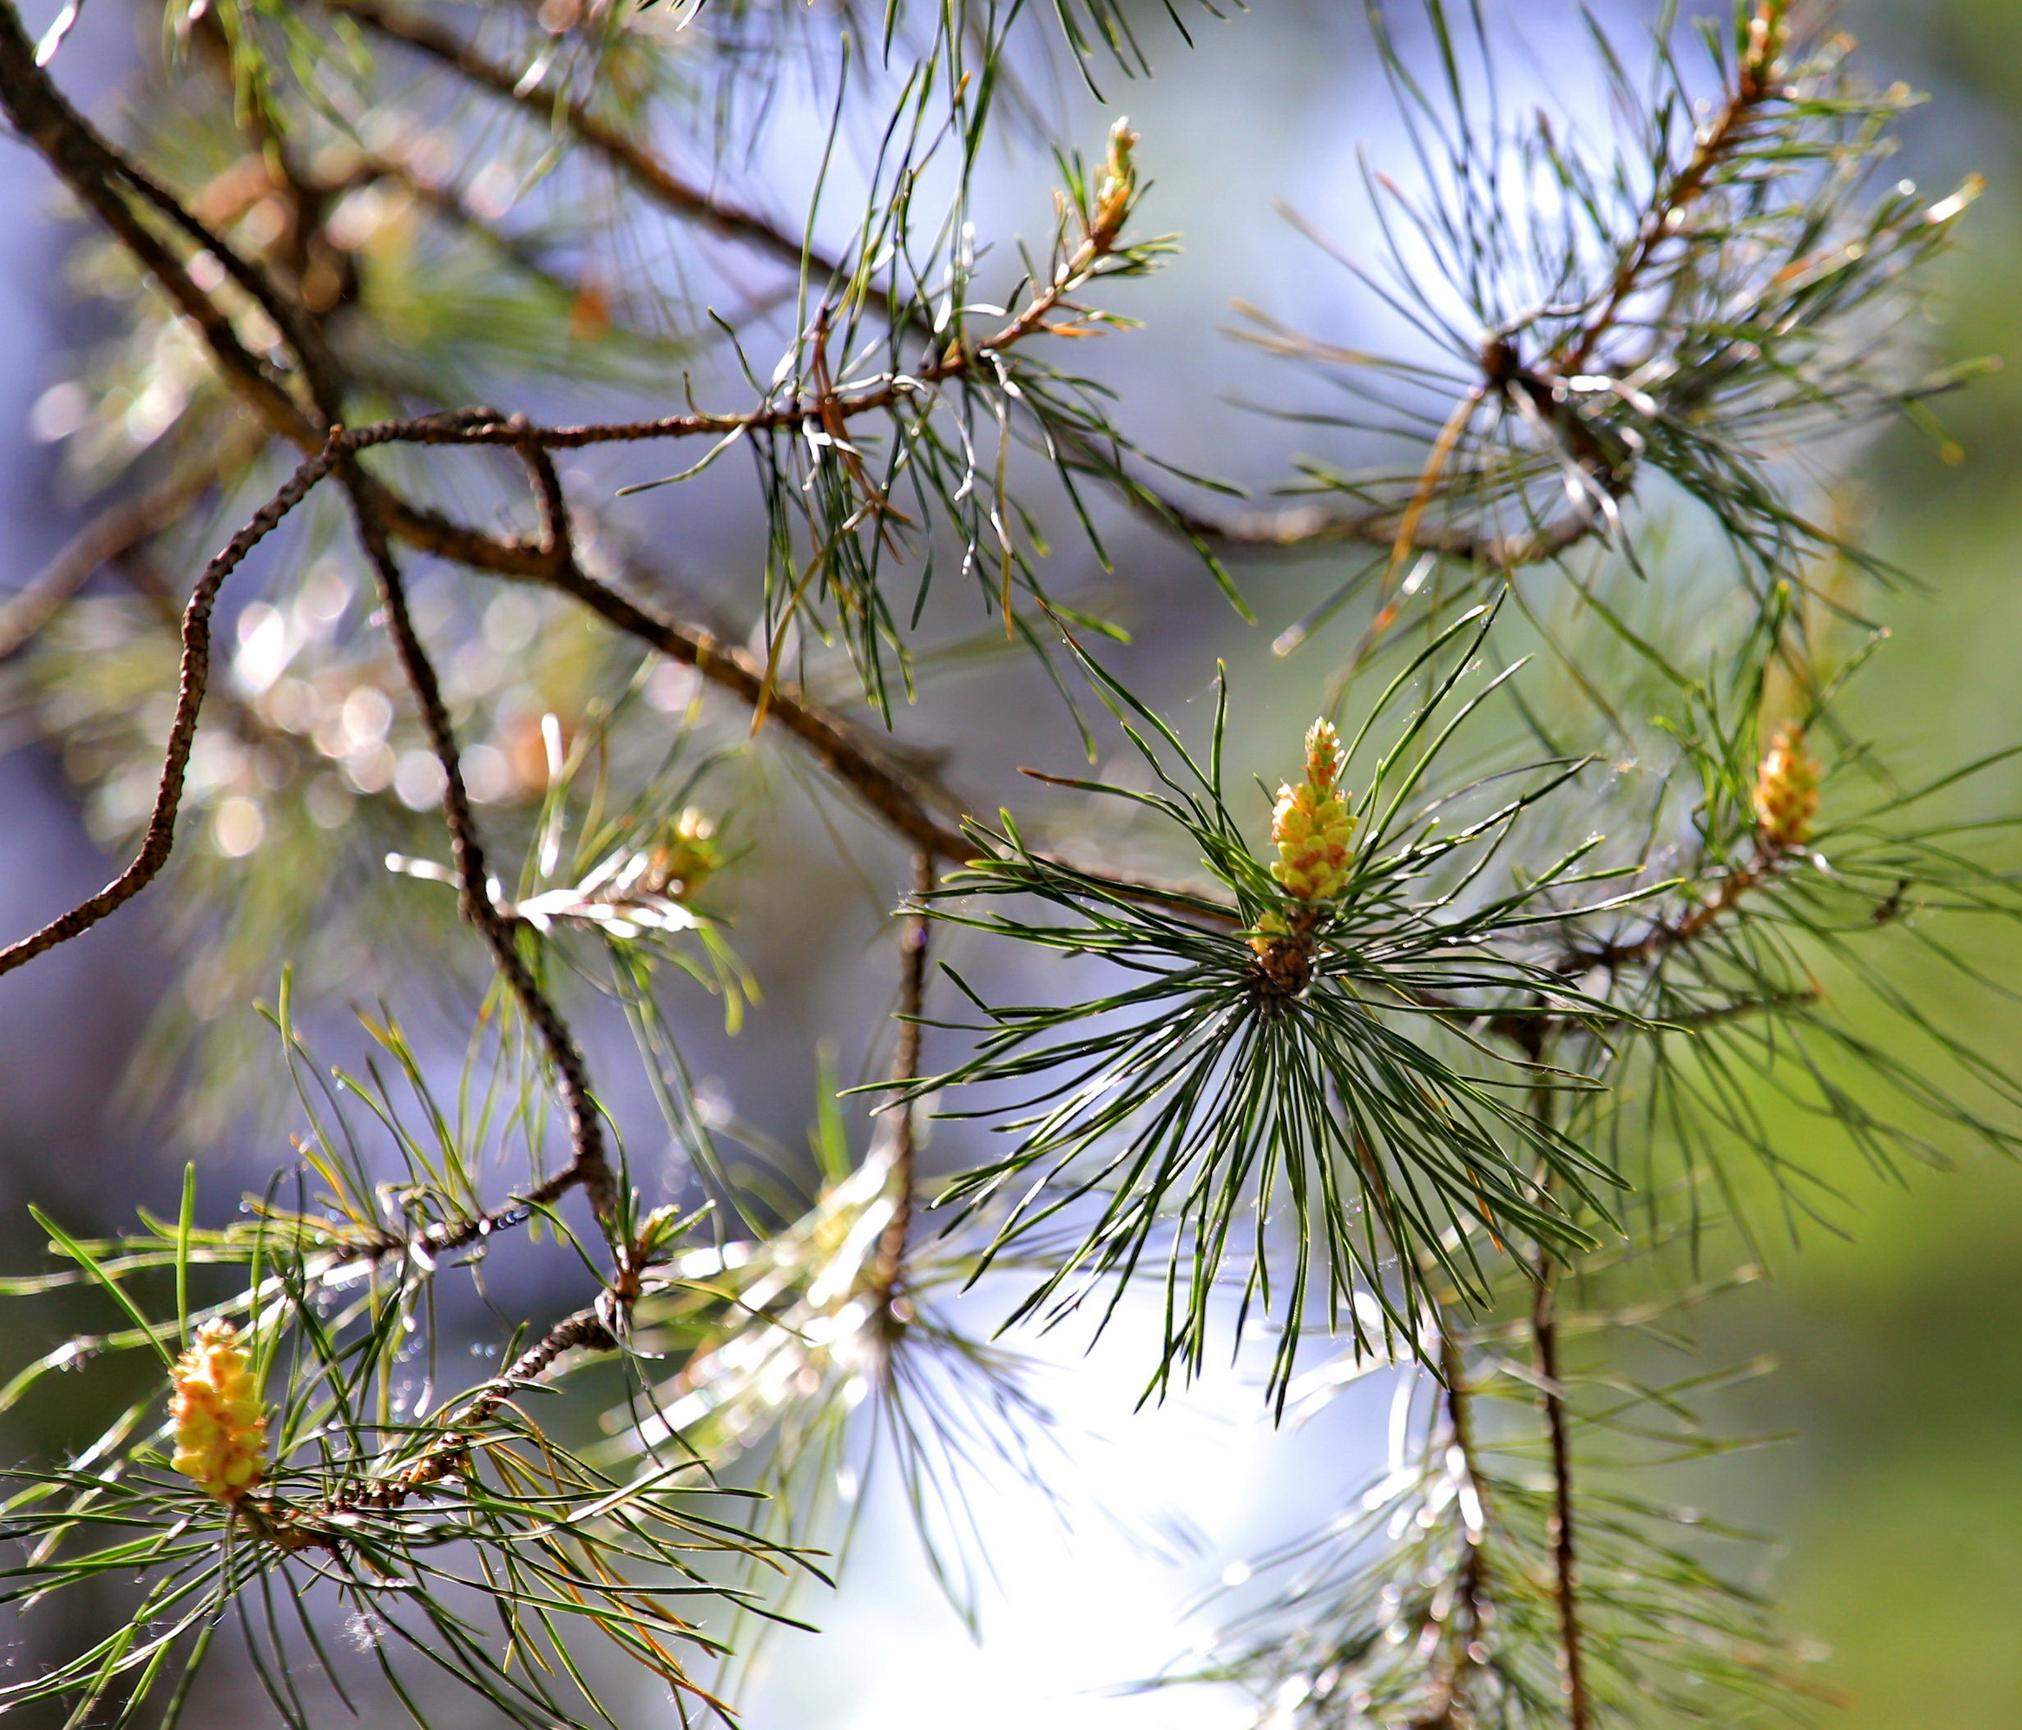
(589, 1164)
(445, 1237)
(1711, 145)
(106, 539)
(1561, 1530)
(822, 407)
(1669, 934)
(1448, 1694)
(1565, 1556)
(919, 811)
(639, 164)
(587, 1329)
(889, 1265)
(192, 678)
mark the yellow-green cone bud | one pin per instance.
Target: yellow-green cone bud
(220, 1426)
(685, 857)
(1115, 185)
(1311, 822)
(1268, 933)
(1786, 791)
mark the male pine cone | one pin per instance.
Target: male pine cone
(1786, 791)
(220, 1428)
(1311, 822)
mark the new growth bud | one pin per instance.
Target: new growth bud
(1786, 791)
(1116, 185)
(1268, 933)
(685, 857)
(1768, 33)
(1311, 822)
(220, 1427)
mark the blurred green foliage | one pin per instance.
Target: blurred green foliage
(1901, 1363)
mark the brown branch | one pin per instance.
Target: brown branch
(291, 1528)
(594, 1328)
(636, 161)
(1669, 934)
(192, 678)
(445, 1237)
(1560, 1529)
(1448, 1694)
(919, 811)
(823, 407)
(1753, 85)
(106, 539)
(889, 1266)
(588, 1329)
(589, 1165)
(1300, 528)
(916, 806)
(1565, 1555)
(908, 802)
(1308, 526)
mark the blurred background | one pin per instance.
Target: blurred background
(1901, 1362)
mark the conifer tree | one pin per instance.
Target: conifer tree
(1578, 952)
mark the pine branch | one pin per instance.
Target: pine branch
(1389, 1071)
(447, 1237)
(1754, 241)
(1719, 139)
(589, 1165)
(192, 679)
(645, 170)
(889, 1267)
(107, 539)
(1446, 1700)
(825, 409)
(895, 795)
(1688, 927)
(586, 1330)
(1562, 1534)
